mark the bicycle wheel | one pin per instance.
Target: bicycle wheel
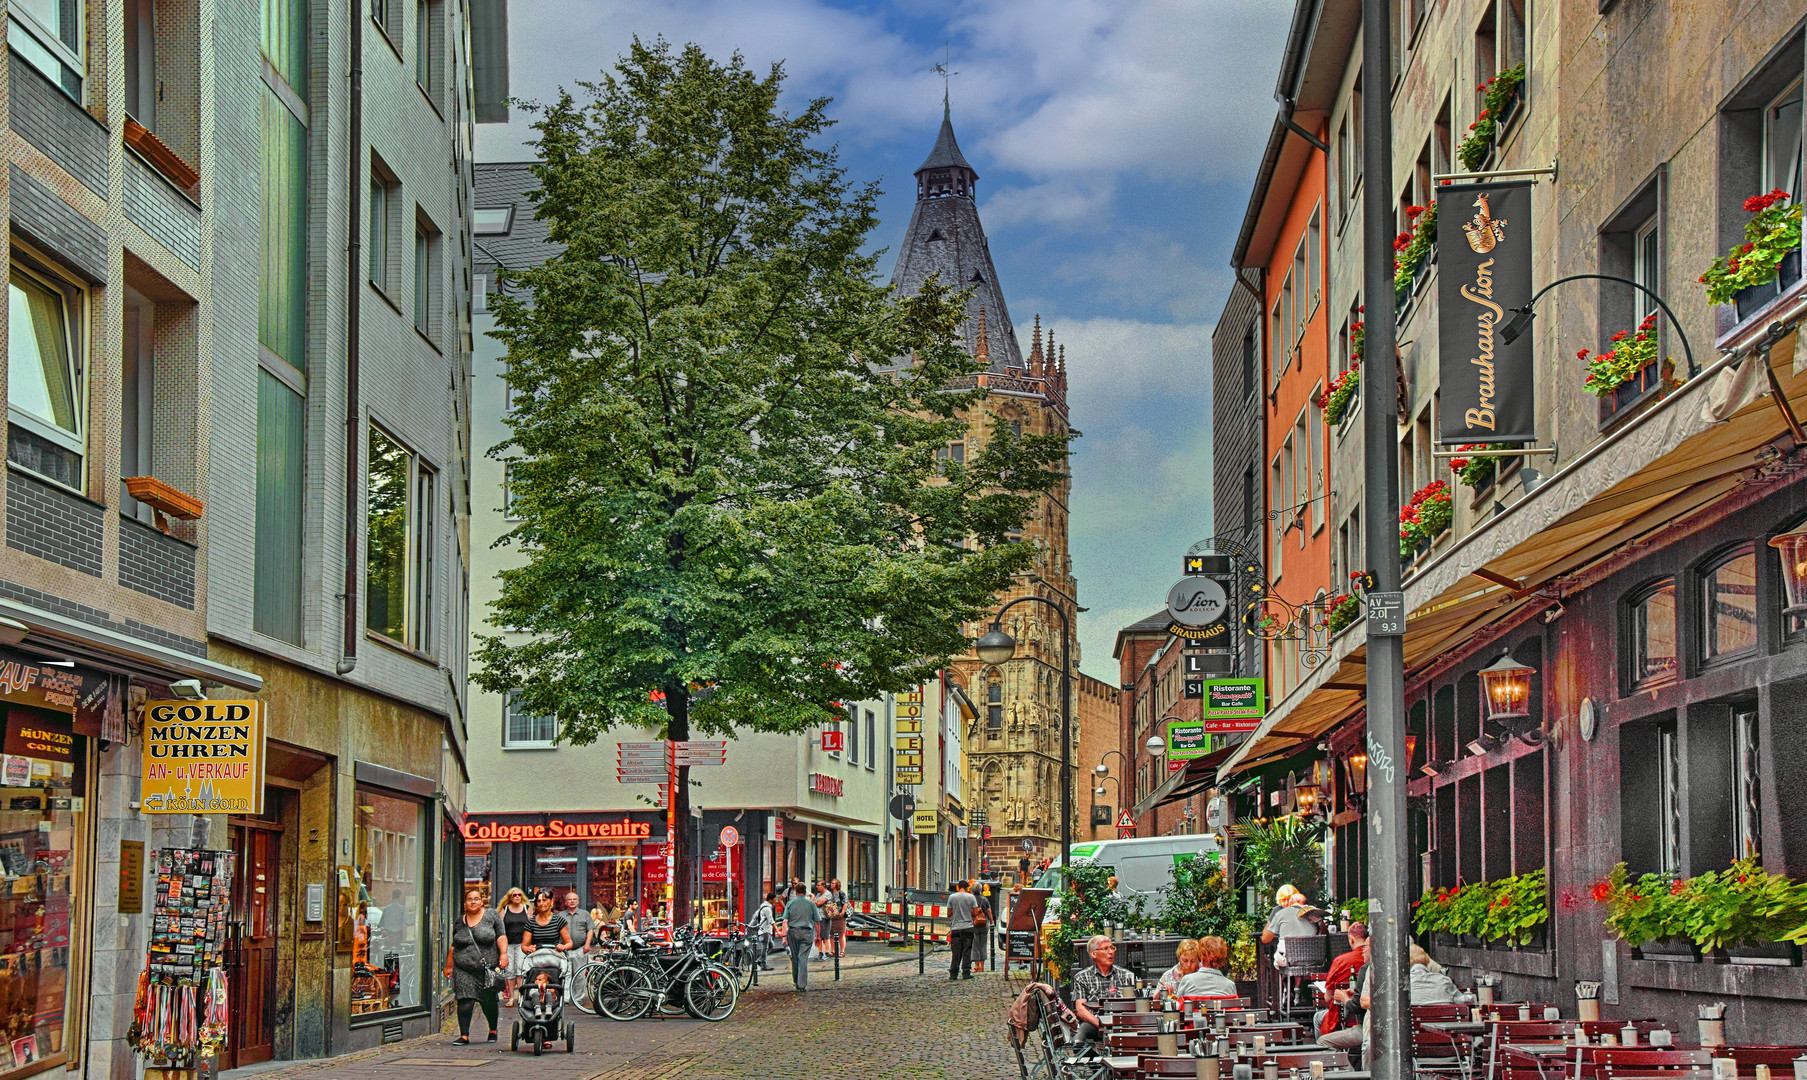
(739, 960)
(622, 993)
(580, 987)
(711, 994)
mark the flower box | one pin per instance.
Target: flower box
(160, 156)
(1668, 950)
(1764, 954)
(163, 498)
(1750, 299)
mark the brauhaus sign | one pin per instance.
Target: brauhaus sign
(1483, 272)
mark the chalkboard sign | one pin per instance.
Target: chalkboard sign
(1021, 944)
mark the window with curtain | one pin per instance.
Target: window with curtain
(390, 833)
(1782, 142)
(47, 376)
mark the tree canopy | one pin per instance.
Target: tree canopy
(724, 430)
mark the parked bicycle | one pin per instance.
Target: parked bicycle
(641, 976)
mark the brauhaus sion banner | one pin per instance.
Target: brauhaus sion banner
(1483, 272)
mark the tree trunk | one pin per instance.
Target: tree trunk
(677, 700)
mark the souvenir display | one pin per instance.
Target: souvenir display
(180, 1013)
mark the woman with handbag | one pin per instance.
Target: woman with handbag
(475, 963)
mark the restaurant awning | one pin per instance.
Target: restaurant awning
(1199, 774)
(1708, 438)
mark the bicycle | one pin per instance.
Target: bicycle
(737, 956)
(641, 977)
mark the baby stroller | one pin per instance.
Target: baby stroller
(541, 1005)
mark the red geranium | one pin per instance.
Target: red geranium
(1602, 890)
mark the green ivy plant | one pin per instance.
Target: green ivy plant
(1087, 906)
(1510, 909)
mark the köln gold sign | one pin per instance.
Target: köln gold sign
(1483, 272)
(203, 757)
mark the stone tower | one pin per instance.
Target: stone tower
(1012, 767)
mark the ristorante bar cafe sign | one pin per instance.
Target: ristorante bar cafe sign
(1483, 272)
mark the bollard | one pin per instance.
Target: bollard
(837, 967)
(920, 957)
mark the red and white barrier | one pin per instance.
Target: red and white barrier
(923, 919)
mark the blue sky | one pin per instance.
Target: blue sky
(1115, 141)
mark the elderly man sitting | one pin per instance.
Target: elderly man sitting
(1095, 983)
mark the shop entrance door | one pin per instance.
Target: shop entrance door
(557, 868)
(252, 976)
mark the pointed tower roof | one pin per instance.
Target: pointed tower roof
(945, 238)
(946, 153)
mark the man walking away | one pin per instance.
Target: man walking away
(960, 905)
(760, 930)
(800, 916)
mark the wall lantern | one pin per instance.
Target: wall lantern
(1507, 686)
(1793, 549)
(1307, 796)
(1356, 766)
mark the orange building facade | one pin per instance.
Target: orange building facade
(1284, 235)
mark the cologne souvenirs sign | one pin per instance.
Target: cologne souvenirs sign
(1483, 272)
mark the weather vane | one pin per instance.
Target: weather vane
(942, 69)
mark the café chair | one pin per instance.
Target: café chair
(1609, 1062)
(1148, 1021)
(1148, 1065)
(1307, 958)
(1438, 1053)
(1135, 1042)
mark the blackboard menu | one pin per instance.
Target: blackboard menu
(1021, 944)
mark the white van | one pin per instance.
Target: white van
(1143, 865)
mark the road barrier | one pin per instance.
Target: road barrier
(872, 921)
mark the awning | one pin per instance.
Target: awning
(1199, 774)
(1705, 440)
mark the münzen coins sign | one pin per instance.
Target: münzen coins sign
(1483, 272)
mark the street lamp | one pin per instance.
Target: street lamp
(994, 648)
(1101, 768)
(1156, 746)
(1521, 316)
(1792, 547)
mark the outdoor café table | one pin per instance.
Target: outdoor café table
(1122, 1066)
(1455, 1027)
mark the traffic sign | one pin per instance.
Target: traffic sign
(1027, 844)
(703, 744)
(985, 832)
(1386, 614)
(626, 777)
(730, 836)
(651, 747)
(1124, 821)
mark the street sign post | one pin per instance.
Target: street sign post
(730, 836)
(902, 806)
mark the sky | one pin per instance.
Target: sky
(1116, 142)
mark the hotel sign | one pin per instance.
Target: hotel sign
(906, 752)
(1483, 272)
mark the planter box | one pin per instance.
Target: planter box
(1668, 950)
(160, 156)
(1766, 954)
(1749, 300)
(1443, 940)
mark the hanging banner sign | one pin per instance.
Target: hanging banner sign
(1483, 272)
(203, 757)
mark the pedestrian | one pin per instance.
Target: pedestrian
(475, 952)
(759, 931)
(982, 922)
(581, 922)
(960, 907)
(800, 916)
(514, 920)
(819, 893)
(836, 910)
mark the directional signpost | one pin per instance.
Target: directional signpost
(658, 763)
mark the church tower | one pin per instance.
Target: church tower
(1012, 751)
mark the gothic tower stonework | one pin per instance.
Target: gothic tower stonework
(1012, 767)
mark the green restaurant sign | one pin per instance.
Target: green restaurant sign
(1233, 704)
(1187, 740)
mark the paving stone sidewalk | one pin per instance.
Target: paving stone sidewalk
(882, 1021)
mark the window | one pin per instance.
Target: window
(390, 909)
(399, 541)
(1782, 142)
(1276, 487)
(1298, 296)
(48, 34)
(387, 15)
(994, 706)
(47, 392)
(1304, 467)
(385, 199)
(1651, 628)
(427, 276)
(1513, 36)
(276, 594)
(508, 507)
(1486, 58)
(1314, 252)
(1747, 820)
(521, 728)
(1644, 270)
(1314, 425)
(137, 380)
(492, 220)
(872, 749)
(282, 295)
(952, 452)
(1728, 606)
(428, 45)
(1251, 363)
(1276, 343)
(1669, 800)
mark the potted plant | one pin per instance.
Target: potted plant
(1518, 910)
(1478, 472)
(1631, 353)
(1499, 102)
(1343, 610)
(1414, 248)
(1427, 514)
(1644, 914)
(1340, 394)
(1747, 913)
(1769, 260)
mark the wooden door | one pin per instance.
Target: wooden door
(252, 978)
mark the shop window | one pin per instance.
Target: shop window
(389, 833)
(862, 883)
(400, 545)
(1650, 652)
(49, 35)
(1728, 606)
(1469, 867)
(522, 729)
(611, 865)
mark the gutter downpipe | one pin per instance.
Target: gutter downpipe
(354, 296)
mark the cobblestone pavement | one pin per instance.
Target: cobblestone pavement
(882, 1021)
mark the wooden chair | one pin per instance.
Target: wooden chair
(1134, 1042)
(1779, 1058)
(1275, 1034)
(1134, 1021)
(1605, 1062)
(1505, 1062)
(1439, 1053)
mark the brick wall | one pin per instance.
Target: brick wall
(39, 213)
(157, 208)
(155, 564)
(53, 524)
(59, 127)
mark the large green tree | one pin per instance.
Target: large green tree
(730, 502)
